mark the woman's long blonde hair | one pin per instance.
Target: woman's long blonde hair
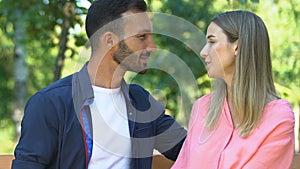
(252, 84)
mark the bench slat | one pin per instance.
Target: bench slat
(159, 162)
(6, 161)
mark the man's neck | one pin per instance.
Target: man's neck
(104, 74)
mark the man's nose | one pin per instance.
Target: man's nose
(151, 47)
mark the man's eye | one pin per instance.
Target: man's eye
(142, 37)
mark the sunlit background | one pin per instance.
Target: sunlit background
(42, 41)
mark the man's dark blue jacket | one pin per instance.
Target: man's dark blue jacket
(53, 135)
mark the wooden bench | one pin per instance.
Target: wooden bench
(5, 161)
(159, 162)
(296, 161)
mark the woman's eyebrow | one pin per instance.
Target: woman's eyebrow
(210, 36)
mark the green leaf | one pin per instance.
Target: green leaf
(243, 2)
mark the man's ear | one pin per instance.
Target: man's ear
(109, 39)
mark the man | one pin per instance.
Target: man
(93, 119)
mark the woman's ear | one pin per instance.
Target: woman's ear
(235, 45)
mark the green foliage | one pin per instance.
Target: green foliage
(285, 46)
(7, 137)
(43, 21)
(245, 1)
(6, 74)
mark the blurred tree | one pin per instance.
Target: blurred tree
(6, 75)
(20, 67)
(40, 32)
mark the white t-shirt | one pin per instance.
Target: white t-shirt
(111, 138)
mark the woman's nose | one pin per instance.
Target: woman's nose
(204, 52)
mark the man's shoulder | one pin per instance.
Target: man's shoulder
(60, 84)
(61, 87)
(53, 97)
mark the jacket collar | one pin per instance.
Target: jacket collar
(83, 95)
(82, 91)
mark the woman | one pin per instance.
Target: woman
(242, 123)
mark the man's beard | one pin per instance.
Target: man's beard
(126, 58)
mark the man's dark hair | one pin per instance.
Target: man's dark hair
(103, 12)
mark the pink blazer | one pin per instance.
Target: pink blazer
(271, 145)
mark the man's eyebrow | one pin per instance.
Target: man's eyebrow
(145, 31)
